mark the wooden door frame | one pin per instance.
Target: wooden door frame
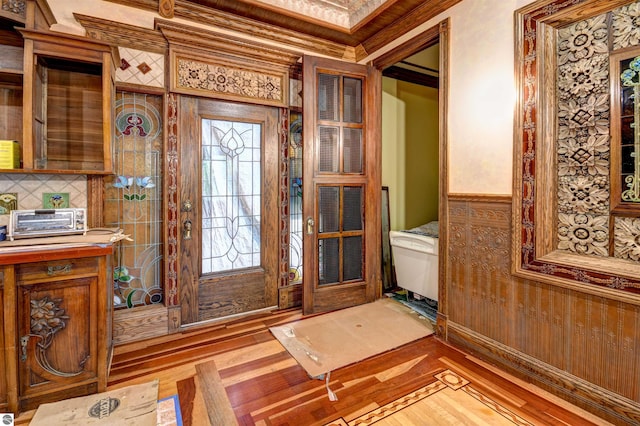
(438, 34)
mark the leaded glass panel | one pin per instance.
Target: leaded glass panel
(231, 187)
(133, 199)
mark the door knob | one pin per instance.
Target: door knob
(310, 225)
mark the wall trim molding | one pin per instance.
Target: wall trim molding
(584, 394)
(124, 35)
(490, 198)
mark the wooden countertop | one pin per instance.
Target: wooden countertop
(93, 243)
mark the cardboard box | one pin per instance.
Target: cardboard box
(9, 154)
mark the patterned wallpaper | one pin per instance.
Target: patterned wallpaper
(583, 146)
(139, 67)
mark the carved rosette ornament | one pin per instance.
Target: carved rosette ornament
(15, 6)
(627, 238)
(47, 319)
(625, 23)
(166, 8)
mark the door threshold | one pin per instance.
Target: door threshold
(227, 318)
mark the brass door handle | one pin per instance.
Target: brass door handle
(186, 230)
(310, 225)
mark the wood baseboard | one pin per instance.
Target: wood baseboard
(139, 324)
(602, 402)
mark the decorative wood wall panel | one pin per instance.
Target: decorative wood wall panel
(480, 267)
(215, 78)
(581, 346)
(14, 9)
(556, 238)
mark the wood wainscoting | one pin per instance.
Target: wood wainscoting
(580, 346)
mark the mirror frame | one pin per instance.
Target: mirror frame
(534, 252)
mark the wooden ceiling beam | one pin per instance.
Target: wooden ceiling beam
(410, 76)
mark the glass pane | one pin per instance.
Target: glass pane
(352, 258)
(352, 208)
(295, 198)
(328, 261)
(328, 149)
(328, 100)
(133, 199)
(329, 208)
(630, 137)
(352, 150)
(230, 195)
(352, 100)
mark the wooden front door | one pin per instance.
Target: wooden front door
(341, 184)
(228, 252)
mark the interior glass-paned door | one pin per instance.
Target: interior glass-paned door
(341, 192)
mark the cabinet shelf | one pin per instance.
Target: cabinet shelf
(54, 171)
(68, 109)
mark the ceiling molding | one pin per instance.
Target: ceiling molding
(247, 17)
(189, 37)
(251, 28)
(125, 35)
(421, 14)
(165, 8)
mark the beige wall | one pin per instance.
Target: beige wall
(481, 91)
(410, 152)
(393, 147)
(481, 94)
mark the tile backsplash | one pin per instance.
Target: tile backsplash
(31, 187)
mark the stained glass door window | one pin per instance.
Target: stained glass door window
(231, 185)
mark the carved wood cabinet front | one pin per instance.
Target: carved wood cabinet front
(57, 326)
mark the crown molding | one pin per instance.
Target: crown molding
(125, 35)
(250, 28)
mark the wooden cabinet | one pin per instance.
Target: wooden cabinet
(69, 85)
(11, 70)
(56, 96)
(57, 324)
(4, 404)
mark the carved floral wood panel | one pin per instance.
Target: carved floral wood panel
(17, 7)
(581, 149)
(235, 82)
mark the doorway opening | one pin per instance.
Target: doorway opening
(414, 167)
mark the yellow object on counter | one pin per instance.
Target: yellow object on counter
(9, 154)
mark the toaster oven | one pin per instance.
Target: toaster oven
(46, 223)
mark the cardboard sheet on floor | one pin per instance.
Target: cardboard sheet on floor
(131, 405)
(324, 343)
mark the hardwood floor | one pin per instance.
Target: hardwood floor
(238, 373)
